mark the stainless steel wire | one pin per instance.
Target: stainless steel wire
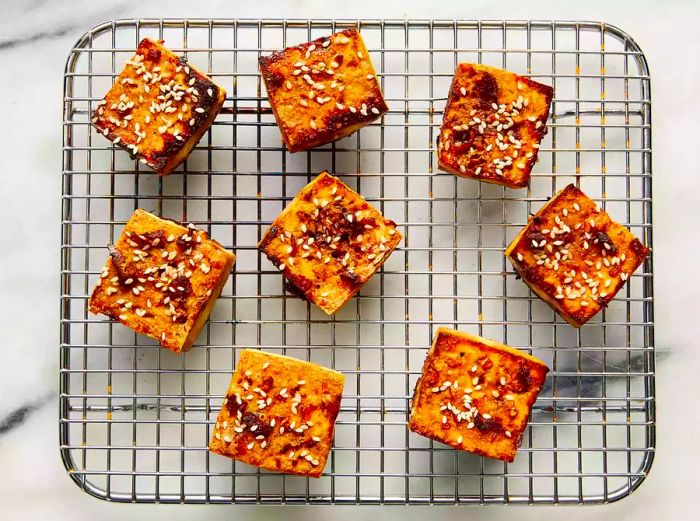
(135, 420)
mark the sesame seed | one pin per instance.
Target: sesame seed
(486, 416)
(463, 90)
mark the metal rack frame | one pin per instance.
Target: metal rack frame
(135, 420)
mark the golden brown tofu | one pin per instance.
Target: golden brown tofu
(323, 90)
(162, 280)
(279, 414)
(159, 107)
(574, 257)
(328, 242)
(493, 123)
(475, 394)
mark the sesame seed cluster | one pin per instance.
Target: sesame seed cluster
(329, 241)
(575, 255)
(159, 278)
(475, 394)
(279, 413)
(476, 389)
(322, 90)
(493, 124)
(158, 107)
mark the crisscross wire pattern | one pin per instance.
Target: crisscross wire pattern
(135, 420)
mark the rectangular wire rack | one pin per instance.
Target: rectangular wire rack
(135, 420)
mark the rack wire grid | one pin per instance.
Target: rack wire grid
(135, 419)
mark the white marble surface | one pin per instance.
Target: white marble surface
(35, 36)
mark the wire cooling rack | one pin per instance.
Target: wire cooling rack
(135, 419)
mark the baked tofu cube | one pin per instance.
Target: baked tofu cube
(475, 394)
(574, 257)
(279, 414)
(493, 124)
(162, 280)
(329, 242)
(159, 107)
(323, 90)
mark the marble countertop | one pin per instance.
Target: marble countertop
(35, 36)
